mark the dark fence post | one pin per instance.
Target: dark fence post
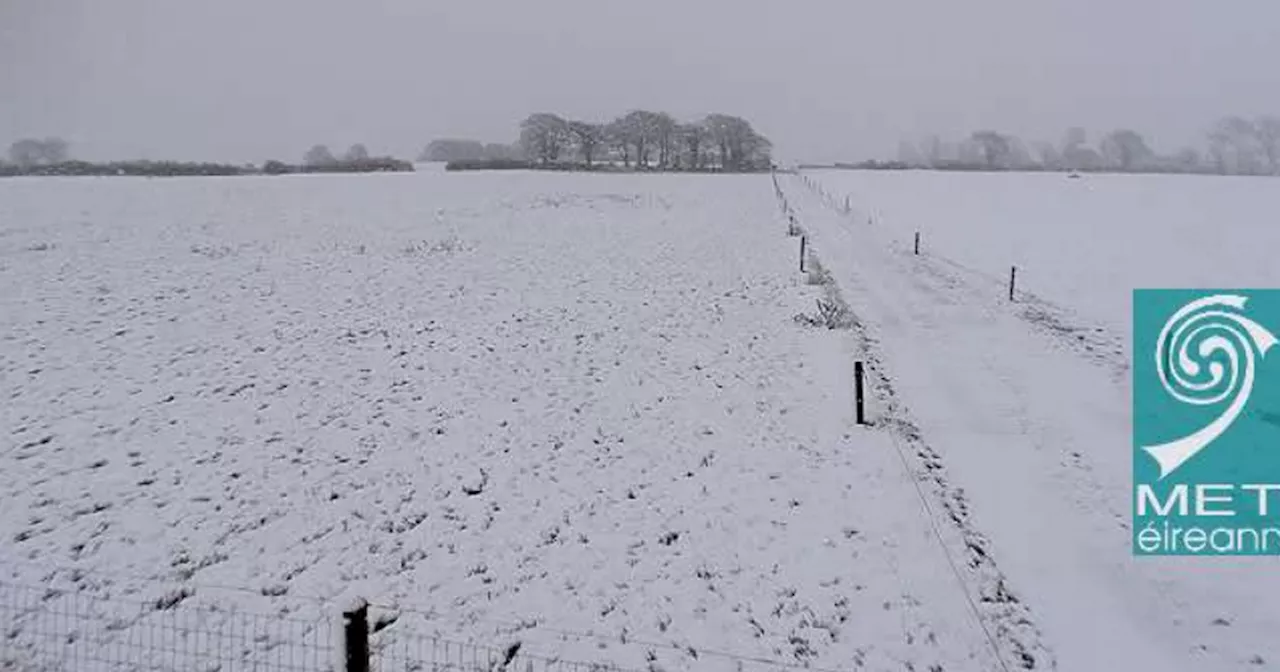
(917, 242)
(1013, 279)
(857, 394)
(356, 628)
(803, 241)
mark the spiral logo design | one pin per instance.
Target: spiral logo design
(1191, 374)
(1206, 355)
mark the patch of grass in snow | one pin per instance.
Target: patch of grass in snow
(212, 251)
(817, 273)
(425, 248)
(832, 310)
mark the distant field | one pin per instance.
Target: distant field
(1083, 243)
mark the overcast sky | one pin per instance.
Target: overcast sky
(246, 80)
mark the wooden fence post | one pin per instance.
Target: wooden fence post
(356, 628)
(857, 394)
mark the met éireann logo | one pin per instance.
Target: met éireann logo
(1206, 422)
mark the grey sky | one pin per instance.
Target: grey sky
(246, 80)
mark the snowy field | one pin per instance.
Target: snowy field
(578, 412)
(573, 411)
(1027, 403)
(1081, 243)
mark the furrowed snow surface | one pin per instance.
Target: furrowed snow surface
(573, 411)
(1027, 404)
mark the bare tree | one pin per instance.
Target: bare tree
(1219, 149)
(26, 152)
(1126, 149)
(1268, 136)
(618, 137)
(718, 130)
(1188, 160)
(757, 151)
(1019, 157)
(740, 147)
(318, 155)
(995, 148)
(664, 135)
(1049, 156)
(1233, 144)
(450, 149)
(1075, 137)
(544, 136)
(496, 150)
(1076, 152)
(642, 128)
(931, 148)
(55, 150)
(588, 137)
(35, 152)
(908, 154)
(968, 152)
(357, 152)
(694, 137)
(629, 130)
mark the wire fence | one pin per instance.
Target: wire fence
(50, 629)
(57, 629)
(402, 651)
(63, 626)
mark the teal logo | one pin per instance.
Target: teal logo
(1206, 422)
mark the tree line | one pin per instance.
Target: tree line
(458, 149)
(1234, 146)
(139, 168)
(640, 140)
(647, 140)
(319, 159)
(51, 156)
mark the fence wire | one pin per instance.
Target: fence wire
(45, 629)
(49, 629)
(400, 651)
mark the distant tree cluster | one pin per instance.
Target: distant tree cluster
(453, 149)
(1236, 146)
(31, 152)
(130, 168)
(644, 140)
(51, 157)
(319, 159)
(491, 164)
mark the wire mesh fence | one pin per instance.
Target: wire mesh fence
(66, 629)
(49, 629)
(402, 651)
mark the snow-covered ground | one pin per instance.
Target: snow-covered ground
(1082, 243)
(1026, 404)
(577, 412)
(569, 410)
